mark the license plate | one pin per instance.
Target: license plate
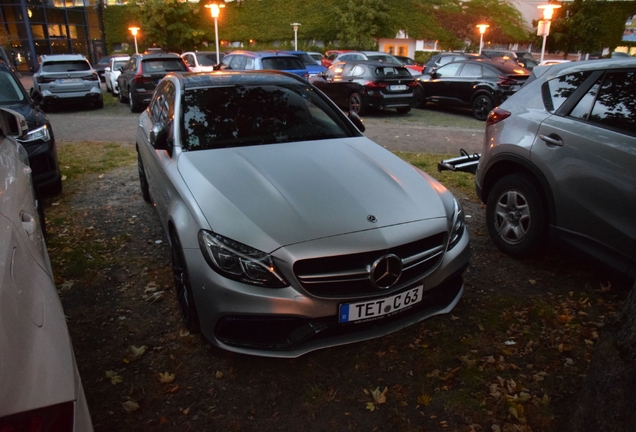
(70, 80)
(397, 87)
(369, 309)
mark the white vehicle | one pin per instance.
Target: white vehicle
(41, 386)
(112, 71)
(201, 61)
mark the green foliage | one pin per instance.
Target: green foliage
(360, 22)
(117, 19)
(589, 25)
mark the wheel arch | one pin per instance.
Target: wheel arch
(504, 165)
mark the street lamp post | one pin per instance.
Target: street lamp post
(543, 27)
(295, 35)
(215, 9)
(482, 29)
(134, 31)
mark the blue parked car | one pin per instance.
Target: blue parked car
(263, 60)
(309, 62)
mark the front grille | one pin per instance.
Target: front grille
(349, 275)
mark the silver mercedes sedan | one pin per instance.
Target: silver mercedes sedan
(289, 230)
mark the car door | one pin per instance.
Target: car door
(336, 83)
(440, 87)
(588, 148)
(468, 79)
(126, 75)
(161, 111)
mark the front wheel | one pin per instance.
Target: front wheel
(516, 216)
(403, 110)
(482, 106)
(183, 287)
(356, 105)
(122, 98)
(134, 106)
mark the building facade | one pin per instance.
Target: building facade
(37, 27)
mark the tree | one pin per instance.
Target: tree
(606, 401)
(169, 24)
(360, 22)
(589, 25)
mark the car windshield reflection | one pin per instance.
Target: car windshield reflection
(219, 117)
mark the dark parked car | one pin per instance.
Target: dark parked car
(361, 85)
(103, 63)
(440, 59)
(289, 230)
(141, 75)
(559, 161)
(522, 58)
(478, 84)
(39, 141)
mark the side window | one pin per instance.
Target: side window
(557, 90)
(471, 70)
(445, 60)
(615, 105)
(352, 70)
(249, 63)
(226, 61)
(449, 70)
(238, 62)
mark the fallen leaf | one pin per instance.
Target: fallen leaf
(166, 377)
(218, 374)
(379, 396)
(424, 399)
(130, 406)
(66, 285)
(114, 377)
(371, 406)
(138, 352)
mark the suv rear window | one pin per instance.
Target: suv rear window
(66, 66)
(391, 72)
(163, 65)
(282, 63)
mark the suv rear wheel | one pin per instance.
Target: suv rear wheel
(516, 216)
(482, 104)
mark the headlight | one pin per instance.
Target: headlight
(240, 262)
(457, 229)
(41, 133)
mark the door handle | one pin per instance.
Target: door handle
(28, 223)
(555, 141)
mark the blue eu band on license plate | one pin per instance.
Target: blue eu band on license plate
(350, 312)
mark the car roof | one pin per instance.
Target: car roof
(145, 56)
(262, 54)
(373, 63)
(229, 77)
(551, 71)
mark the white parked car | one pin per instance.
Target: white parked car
(41, 387)
(112, 71)
(201, 61)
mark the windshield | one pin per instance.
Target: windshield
(119, 64)
(306, 59)
(242, 115)
(282, 63)
(10, 91)
(207, 59)
(66, 66)
(163, 65)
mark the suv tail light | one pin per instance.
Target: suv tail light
(496, 115)
(54, 418)
(91, 77)
(140, 79)
(412, 84)
(44, 80)
(376, 85)
(506, 82)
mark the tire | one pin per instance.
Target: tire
(516, 216)
(122, 98)
(356, 105)
(482, 104)
(403, 110)
(143, 181)
(99, 104)
(182, 286)
(418, 97)
(134, 106)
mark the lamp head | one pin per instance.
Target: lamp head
(482, 28)
(548, 10)
(133, 30)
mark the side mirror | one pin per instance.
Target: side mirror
(356, 120)
(12, 123)
(159, 137)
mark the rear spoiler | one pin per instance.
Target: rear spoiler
(464, 163)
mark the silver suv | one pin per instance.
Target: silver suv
(559, 161)
(67, 78)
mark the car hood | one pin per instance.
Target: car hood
(279, 194)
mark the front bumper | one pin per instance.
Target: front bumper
(289, 322)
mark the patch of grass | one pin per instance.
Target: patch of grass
(86, 157)
(427, 162)
(433, 116)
